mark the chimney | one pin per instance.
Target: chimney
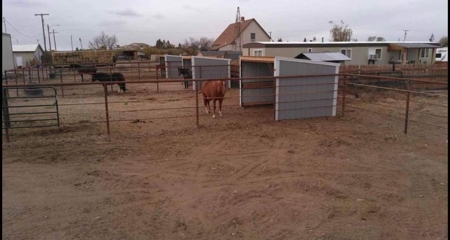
(242, 19)
(322, 39)
(314, 39)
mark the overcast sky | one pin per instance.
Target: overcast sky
(175, 20)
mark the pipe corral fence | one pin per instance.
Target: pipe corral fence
(291, 88)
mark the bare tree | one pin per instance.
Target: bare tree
(375, 38)
(340, 33)
(443, 41)
(103, 41)
(432, 38)
(193, 45)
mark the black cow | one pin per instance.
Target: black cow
(115, 77)
(83, 69)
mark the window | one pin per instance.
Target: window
(258, 53)
(424, 53)
(376, 52)
(252, 37)
(347, 52)
(309, 49)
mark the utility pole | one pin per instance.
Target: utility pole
(4, 23)
(49, 40)
(71, 42)
(43, 31)
(81, 43)
(54, 39)
(404, 39)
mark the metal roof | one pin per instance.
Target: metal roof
(416, 45)
(25, 48)
(324, 56)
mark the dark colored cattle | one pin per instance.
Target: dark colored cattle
(115, 77)
(187, 74)
(214, 90)
(83, 69)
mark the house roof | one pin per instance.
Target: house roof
(135, 46)
(416, 45)
(331, 44)
(26, 48)
(229, 34)
(324, 56)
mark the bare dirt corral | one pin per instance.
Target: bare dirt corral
(242, 176)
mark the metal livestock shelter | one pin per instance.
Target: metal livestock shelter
(172, 62)
(209, 68)
(293, 98)
(305, 97)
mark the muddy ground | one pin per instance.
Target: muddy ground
(242, 176)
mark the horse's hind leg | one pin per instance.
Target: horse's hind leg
(220, 106)
(214, 107)
(82, 79)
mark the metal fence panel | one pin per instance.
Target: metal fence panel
(305, 97)
(172, 64)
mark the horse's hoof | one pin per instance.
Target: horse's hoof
(214, 116)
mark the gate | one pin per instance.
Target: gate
(32, 111)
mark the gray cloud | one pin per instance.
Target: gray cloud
(158, 16)
(108, 23)
(26, 3)
(189, 7)
(125, 12)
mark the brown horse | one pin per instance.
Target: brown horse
(214, 90)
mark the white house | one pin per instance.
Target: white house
(24, 54)
(7, 53)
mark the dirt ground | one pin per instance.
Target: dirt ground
(242, 176)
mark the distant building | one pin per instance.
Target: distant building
(246, 31)
(7, 53)
(360, 53)
(25, 54)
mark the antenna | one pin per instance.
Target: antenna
(404, 39)
(237, 27)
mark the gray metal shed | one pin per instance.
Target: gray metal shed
(213, 68)
(293, 98)
(172, 62)
(305, 97)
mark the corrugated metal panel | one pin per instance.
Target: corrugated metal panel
(214, 68)
(25, 48)
(262, 92)
(324, 56)
(172, 63)
(305, 97)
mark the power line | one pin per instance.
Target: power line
(19, 31)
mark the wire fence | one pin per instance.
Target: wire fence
(151, 98)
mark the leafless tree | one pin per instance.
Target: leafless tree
(375, 38)
(340, 33)
(443, 41)
(193, 45)
(103, 41)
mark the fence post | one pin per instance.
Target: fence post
(39, 77)
(61, 77)
(343, 95)
(23, 74)
(6, 82)
(407, 107)
(196, 107)
(110, 78)
(105, 89)
(74, 75)
(157, 80)
(15, 76)
(139, 71)
(6, 112)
